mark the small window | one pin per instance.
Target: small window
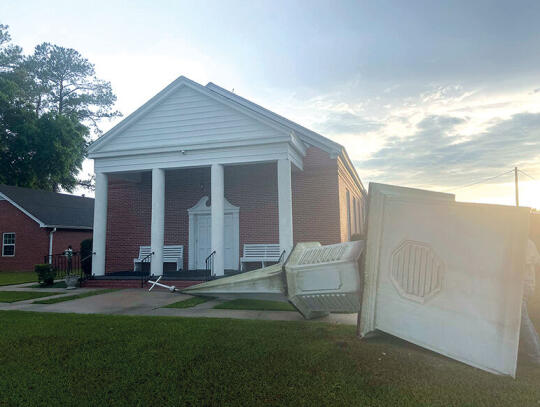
(360, 219)
(8, 244)
(349, 224)
(355, 221)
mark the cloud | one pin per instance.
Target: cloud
(338, 123)
(437, 154)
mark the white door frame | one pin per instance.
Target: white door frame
(201, 208)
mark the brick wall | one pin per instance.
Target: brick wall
(253, 188)
(64, 237)
(31, 241)
(315, 199)
(316, 206)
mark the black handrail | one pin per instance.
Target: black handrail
(281, 256)
(65, 264)
(145, 259)
(210, 260)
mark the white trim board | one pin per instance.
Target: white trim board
(199, 158)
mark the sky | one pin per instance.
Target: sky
(430, 94)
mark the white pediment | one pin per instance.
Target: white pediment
(203, 207)
(187, 115)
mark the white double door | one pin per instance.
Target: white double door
(203, 241)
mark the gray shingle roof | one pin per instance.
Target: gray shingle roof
(52, 208)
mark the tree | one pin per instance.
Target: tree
(10, 55)
(48, 103)
(40, 152)
(66, 84)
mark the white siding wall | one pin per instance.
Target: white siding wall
(187, 116)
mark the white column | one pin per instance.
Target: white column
(285, 206)
(158, 221)
(100, 224)
(218, 218)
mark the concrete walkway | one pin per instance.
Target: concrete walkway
(135, 301)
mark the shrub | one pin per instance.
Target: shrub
(46, 274)
(86, 256)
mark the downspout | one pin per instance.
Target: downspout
(51, 244)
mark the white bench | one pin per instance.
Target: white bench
(171, 254)
(260, 253)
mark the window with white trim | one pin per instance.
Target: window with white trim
(360, 218)
(355, 220)
(8, 244)
(349, 222)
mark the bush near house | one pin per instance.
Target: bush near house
(46, 274)
(86, 258)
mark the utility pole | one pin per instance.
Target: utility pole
(516, 183)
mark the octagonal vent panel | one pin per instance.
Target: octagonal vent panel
(416, 271)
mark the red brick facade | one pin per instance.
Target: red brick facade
(253, 188)
(65, 237)
(32, 241)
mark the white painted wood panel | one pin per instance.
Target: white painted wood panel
(202, 240)
(204, 157)
(445, 275)
(188, 116)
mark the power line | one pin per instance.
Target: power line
(479, 182)
(524, 173)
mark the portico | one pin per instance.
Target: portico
(218, 210)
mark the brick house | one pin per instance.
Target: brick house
(201, 168)
(35, 224)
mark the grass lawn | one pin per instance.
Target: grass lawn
(189, 303)
(14, 296)
(257, 305)
(75, 297)
(89, 360)
(17, 277)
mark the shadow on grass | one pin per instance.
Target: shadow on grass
(189, 303)
(256, 305)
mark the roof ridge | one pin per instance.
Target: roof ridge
(44, 191)
(270, 114)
